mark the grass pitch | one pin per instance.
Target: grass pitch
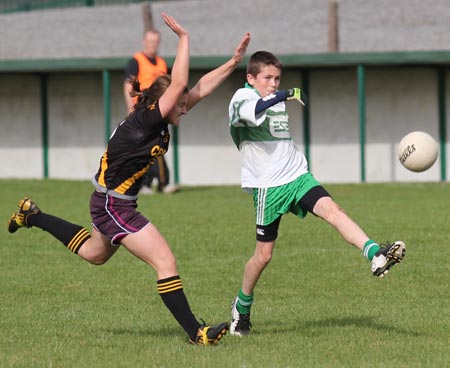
(316, 305)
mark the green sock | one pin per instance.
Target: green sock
(244, 302)
(370, 248)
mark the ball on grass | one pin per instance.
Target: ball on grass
(417, 151)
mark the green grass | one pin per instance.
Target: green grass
(317, 304)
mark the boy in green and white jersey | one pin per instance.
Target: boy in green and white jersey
(276, 172)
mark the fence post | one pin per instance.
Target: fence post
(306, 117)
(362, 118)
(107, 103)
(44, 121)
(176, 163)
(442, 121)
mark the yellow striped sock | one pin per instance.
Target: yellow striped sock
(78, 240)
(170, 284)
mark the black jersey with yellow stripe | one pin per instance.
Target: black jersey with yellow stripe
(132, 149)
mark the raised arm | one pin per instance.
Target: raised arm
(292, 94)
(180, 69)
(210, 81)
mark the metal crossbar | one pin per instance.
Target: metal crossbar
(11, 6)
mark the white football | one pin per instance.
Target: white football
(417, 151)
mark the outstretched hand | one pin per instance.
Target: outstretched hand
(239, 53)
(173, 25)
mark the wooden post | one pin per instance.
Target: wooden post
(147, 16)
(333, 35)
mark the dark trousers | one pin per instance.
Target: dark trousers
(158, 171)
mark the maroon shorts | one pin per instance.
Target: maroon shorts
(114, 217)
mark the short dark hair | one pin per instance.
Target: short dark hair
(262, 58)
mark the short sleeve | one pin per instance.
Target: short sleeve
(242, 109)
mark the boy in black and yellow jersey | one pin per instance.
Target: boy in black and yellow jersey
(131, 150)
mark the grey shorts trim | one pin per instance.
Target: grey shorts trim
(112, 193)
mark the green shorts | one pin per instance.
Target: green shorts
(271, 203)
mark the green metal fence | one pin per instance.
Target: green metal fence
(11, 6)
(304, 64)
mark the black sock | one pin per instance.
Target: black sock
(172, 294)
(71, 235)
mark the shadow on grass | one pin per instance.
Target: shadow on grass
(187, 189)
(142, 332)
(316, 327)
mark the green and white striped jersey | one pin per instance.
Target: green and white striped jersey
(269, 157)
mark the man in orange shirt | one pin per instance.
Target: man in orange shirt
(146, 65)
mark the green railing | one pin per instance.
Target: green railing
(10, 6)
(304, 64)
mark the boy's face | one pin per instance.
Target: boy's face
(266, 81)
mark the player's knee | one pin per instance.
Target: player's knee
(93, 255)
(168, 265)
(98, 261)
(265, 257)
(263, 253)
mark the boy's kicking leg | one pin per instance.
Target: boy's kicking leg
(382, 258)
(317, 201)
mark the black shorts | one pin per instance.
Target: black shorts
(115, 218)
